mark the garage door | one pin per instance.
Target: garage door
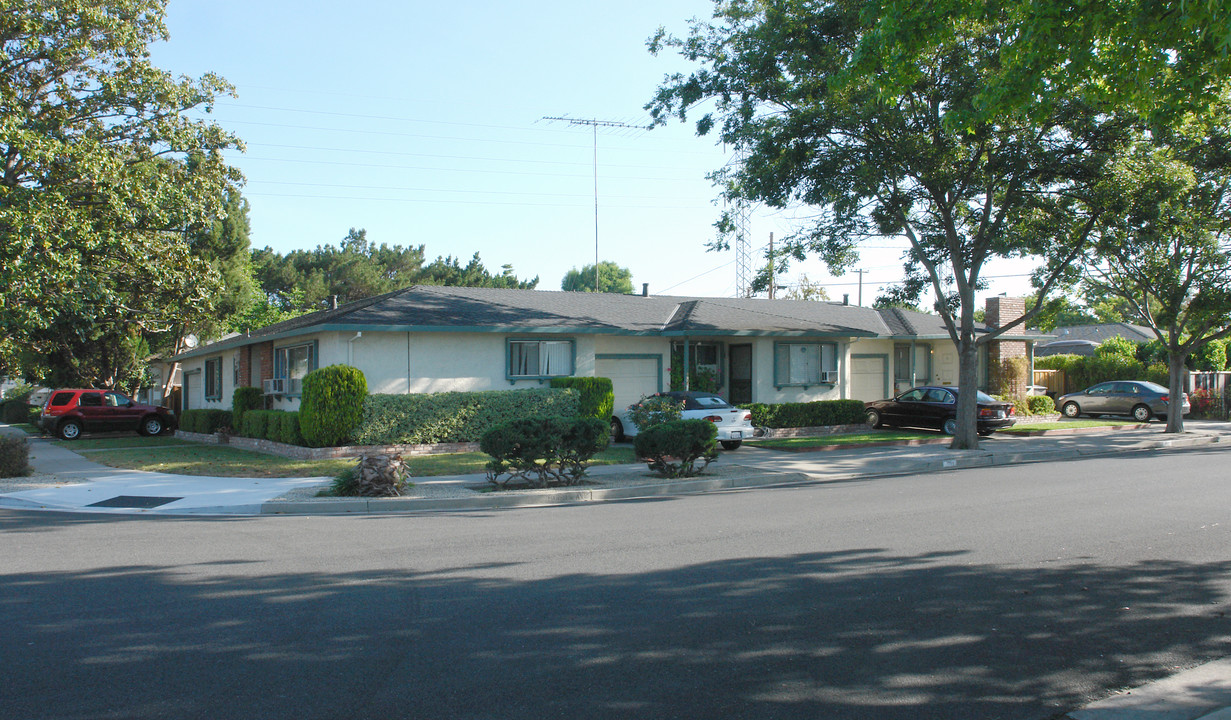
(631, 378)
(868, 378)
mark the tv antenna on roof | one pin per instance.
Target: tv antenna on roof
(595, 125)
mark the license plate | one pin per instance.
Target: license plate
(737, 434)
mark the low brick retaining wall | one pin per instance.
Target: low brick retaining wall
(815, 431)
(303, 453)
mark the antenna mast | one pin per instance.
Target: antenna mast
(595, 125)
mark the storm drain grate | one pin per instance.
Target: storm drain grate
(134, 501)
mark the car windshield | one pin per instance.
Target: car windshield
(707, 401)
(984, 397)
(1154, 387)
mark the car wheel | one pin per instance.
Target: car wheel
(874, 419)
(151, 426)
(1141, 413)
(1070, 410)
(950, 426)
(70, 430)
(617, 430)
(731, 444)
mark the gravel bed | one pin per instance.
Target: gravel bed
(34, 482)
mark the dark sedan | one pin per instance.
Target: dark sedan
(936, 407)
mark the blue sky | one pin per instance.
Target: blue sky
(423, 124)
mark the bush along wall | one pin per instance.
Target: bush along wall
(331, 408)
(818, 413)
(243, 400)
(597, 395)
(205, 421)
(1080, 372)
(457, 416)
(14, 457)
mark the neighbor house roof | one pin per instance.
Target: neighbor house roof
(434, 308)
(1082, 339)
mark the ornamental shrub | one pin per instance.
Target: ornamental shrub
(655, 410)
(597, 395)
(14, 457)
(1081, 372)
(455, 416)
(543, 450)
(819, 413)
(331, 408)
(1117, 346)
(243, 400)
(1212, 357)
(1040, 405)
(673, 448)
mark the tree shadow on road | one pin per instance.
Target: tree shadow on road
(853, 634)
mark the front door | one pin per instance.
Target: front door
(740, 384)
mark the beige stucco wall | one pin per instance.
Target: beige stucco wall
(194, 372)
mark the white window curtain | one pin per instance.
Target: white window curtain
(535, 358)
(555, 358)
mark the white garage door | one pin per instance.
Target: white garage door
(630, 377)
(868, 378)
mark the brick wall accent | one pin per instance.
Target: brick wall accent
(244, 355)
(1001, 311)
(265, 351)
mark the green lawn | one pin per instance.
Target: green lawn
(1064, 425)
(178, 457)
(859, 438)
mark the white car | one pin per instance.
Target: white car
(733, 424)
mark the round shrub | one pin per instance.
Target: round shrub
(673, 448)
(1040, 405)
(331, 407)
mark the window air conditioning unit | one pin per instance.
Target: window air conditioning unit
(829, 376)
(277, 386)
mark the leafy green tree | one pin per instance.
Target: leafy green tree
(1165, 238)
(1060, 312)
(806, 289)
(611, 279)
(797, 90)
(103, 175)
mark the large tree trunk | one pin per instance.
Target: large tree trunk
(1175, 413)
(967, 437)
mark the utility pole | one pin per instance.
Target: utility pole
(595, 125)
(860, 288)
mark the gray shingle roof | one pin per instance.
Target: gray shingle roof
(439, 308)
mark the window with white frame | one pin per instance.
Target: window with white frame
(805, 363)
(213, 379)
(540, 358)
(291, 364)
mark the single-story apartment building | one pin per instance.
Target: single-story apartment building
(426, 339)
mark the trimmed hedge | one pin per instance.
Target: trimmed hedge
(256, 424)
(14, 457)
(455, 416)
(331, 408)
(597, 395)
(283, 427)
(18, 410)
(673, 448)
(205, 421)
(1040, 405)
(1080, 372)
(818, 413)
(543, 450)
(243, 400)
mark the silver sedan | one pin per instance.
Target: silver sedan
(1139, 399)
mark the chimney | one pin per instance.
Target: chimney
(645, 289)
(846, 298)
(1002, 310)
(333, 302)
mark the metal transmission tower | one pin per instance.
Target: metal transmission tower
(743, 245)
(595, 125)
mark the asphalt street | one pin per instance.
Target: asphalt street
(1011, 592)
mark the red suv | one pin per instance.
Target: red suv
(68, 413)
